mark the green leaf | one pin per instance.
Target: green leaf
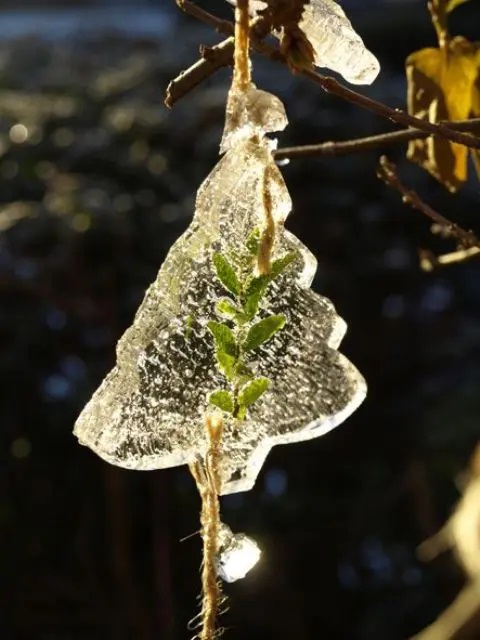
(253, 241)
(226, 347)
(243, 373)
(221, 399)
(252, 391)
(189, 326)
(226, 364)
(279, 265)
(254, 293)
(258, 285)
(226, 273)
(263, 331)
(224, 338)
(225, 307)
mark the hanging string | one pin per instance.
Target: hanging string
(207, 477)
(206, 472)
(242, 67)
(267, 238)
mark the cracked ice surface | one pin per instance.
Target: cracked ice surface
(254, 112)
(148, 412)
(336, 43)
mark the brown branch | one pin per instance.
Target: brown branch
(395, 115)
(387, 173)
(212, 59)
(360, 145)
(329, 84)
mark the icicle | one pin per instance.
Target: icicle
(149, 411)
(336, 44)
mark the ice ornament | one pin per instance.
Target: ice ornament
(336, 43)
(149, 411)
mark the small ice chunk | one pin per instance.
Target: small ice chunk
(250, 113)
(237, 554)
(336, 44)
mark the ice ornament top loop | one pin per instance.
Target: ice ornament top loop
(251, 113)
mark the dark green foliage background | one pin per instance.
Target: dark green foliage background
(88, 551)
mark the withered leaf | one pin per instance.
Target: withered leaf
(440, 84)
(476, 114)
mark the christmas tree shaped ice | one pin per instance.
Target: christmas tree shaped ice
(214, 334)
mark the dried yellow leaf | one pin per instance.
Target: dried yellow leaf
(476, 114)
(440, 84)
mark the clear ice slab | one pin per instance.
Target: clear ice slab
(336, 44)
(149, 411)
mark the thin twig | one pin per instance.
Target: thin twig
(360, 145)
(387, 173)
(212, 59)
(429, 261)
(327, 83)
(455, 617)
(438, 15)
(395, 115)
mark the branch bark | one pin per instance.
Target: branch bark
(360, 145)
(259, 30)
(387, 173)
(212, 59)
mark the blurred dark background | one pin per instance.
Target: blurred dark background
(97, 179)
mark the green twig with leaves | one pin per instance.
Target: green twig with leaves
(243, 331)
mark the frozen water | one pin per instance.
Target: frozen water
(336, 43)
(149, 411)
(237, 554)
(254, 112)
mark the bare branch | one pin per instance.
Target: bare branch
(429, 261)
(387, 173)
(213, 58)
(259, 30)
(360, 145)
(395, 115)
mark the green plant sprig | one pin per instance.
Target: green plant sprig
(242, 332)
